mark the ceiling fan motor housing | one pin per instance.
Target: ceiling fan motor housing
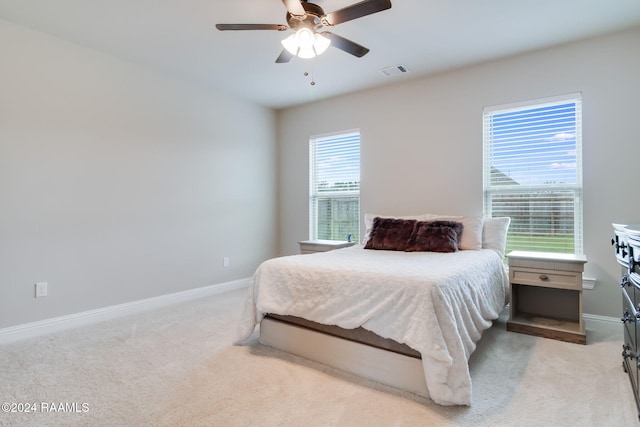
(311, 19)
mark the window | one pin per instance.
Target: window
(334, 203)
(533, 172)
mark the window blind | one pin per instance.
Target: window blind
(335, 186)
(533, 172)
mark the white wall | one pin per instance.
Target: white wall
(421, 148)
(119, 184)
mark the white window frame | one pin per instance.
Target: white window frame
(508, 186)
(315, 195)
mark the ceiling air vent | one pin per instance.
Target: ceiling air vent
(393, 71)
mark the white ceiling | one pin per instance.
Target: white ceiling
(426, 36)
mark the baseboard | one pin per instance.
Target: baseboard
(609, 325)
(604, 324)
(588, 283)
(28, 330)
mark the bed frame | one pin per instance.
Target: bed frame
(372, 361)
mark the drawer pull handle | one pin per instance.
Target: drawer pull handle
(626, 352)
(625, 281)
(544, 277)
(627, 317)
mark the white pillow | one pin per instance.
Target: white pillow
(471, 238)
(494, 234)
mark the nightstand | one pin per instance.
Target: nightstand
(546, 295)
(312, 246)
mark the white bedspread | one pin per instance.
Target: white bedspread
(436, 303)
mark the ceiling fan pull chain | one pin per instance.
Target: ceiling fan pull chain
(306, 73)
(313, 63)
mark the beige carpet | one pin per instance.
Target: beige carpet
(177, 366)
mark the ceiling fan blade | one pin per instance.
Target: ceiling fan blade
(358, 10)
(235, 27)
(346, 45)
(285, 56)
(294, 7)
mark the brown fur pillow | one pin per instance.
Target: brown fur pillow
(435, 236)
(390, 234)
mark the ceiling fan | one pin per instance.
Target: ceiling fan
(307, 19)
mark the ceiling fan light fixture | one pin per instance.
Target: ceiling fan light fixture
(305, 44)
(321, 44)
(306, 52)
(304, 37)
(291, 44)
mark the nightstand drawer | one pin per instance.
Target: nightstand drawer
(546, 278)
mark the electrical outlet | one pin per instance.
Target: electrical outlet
(225, 261)
(41, 289)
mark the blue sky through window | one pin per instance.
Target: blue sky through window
(338, 159)
(535, 146)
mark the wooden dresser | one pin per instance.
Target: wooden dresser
(626, 242)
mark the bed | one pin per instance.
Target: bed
(410, 319)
